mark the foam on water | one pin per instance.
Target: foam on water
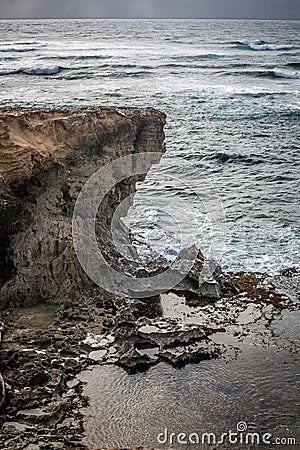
(250, 42)
(272, 47)
(21, 47)
(17, 49)
(284, 74)
(35, 70)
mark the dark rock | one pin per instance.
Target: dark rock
(204, 279)
(167, 336)
(194, 353)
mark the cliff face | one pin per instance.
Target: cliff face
(46, 156)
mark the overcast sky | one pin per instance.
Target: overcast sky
(257, 9)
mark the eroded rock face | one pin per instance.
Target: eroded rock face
(46, 156)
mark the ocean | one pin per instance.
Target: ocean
(230, 88)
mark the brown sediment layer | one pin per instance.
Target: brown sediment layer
(33, 140)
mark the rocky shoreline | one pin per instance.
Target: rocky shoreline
(56, 321)
(46, 346)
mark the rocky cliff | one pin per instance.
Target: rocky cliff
(46, 156)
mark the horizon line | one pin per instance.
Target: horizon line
(145, 18)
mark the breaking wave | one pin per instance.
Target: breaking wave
(282, 74)
(274, 73)
(258, 45)
(21, 47)
(80, 57)
(250, 42)
(38, 70)
(17, 49)
(264, 47)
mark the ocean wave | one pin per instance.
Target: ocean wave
(8, 58)
(241, 47)
(21, 47)
(257, 94)
(250, 73)
(260, 46)
(80, 57)
(38, 70)
(281, 74)
(136, 74)
(41, 70)
(17, 49)
(274, 73)
(111, 75)
(8, 72)
(196, 57)
(236, 65)
(41, 44)
(75, 77)
(250, 42)
(264, 47)
(295, 65)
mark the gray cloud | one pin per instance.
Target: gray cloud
(260, 9)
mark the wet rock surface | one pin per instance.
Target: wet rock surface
(39, 362)
(44, 347)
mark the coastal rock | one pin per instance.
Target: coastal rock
(163, 336)
(198, 351)
(2, 390)
(2, 383)
(142, 341)
(205, 278)
(46, 156)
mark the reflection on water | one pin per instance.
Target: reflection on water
(260, 387)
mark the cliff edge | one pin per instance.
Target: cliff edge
(46, 156)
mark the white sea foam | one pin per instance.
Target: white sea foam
(35, 70)
(282, 74)
(251, 42)
(17, 49)
(264, 47)
(8, 71)
(40, 70)
(20, 47)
